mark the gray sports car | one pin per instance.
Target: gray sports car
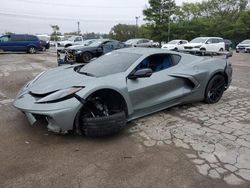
(99, 98)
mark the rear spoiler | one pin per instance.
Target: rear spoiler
(227, 55)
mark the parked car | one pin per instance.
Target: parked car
(206, 44)
(228, 44)
(244, 46)
(44, 41)
(139, 43)
(73, 40)
(84, 54)
(175, 45)
(98, 99)
(20, 43)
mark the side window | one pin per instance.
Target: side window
(31, 38)
(175, 59)
(184, 42)
(77, 39)
(145, 41)
(140, 42)
(158, 62)
(209, 41)
(215, 40)
(17, 38)
(5, 39)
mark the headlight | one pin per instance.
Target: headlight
(60, 95)
(79, 52)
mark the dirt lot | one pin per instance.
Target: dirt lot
(191, 146)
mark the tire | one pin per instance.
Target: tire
(32, 50)
(221, 50)
(103, 126)
(215, 89)
(237, 52)
(86, 57)
(203, 51)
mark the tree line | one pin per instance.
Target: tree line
(229, 19)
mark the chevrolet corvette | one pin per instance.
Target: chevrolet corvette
(99, 98)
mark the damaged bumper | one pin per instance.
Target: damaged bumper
(60, 116)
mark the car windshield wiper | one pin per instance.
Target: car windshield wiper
(87, 74)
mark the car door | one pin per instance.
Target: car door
(108, 47)
(19, 42)
(160, 87)
(5, 43)
(209, 45)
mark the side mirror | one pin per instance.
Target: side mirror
(142, 73)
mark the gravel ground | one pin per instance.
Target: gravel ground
(189, 146)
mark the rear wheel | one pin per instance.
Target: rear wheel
(221, 50)
(86, 57)
(215, 89)
(32, 50)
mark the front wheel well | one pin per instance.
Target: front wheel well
(104, 103)
(111, 97)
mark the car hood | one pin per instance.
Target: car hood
(243, 45)
(193, 44)
(81, 47)
(56, 79)
(169, 46)
(65, 42)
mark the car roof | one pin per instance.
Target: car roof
(145, 51)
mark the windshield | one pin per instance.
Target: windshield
(173, 42)
(245, 42)
(198, 40)
(71, 39)
(111, 63)
(96, 43)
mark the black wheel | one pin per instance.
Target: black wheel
(215, 89)
(221, 50)
(43, 48)
(203, 51)
(237, 51)
(32, 50)
(104, 126)
(103, 114)
(86, 57)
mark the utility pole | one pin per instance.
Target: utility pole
(169, 23)
(136, 20)
(136, 23)
(78, 28)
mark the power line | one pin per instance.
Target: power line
(8, 14)
(82, 6)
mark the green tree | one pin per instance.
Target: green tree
(158, 15)
(123, 32)
(55, 33)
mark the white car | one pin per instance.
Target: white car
(139, 43)
(175, 45)
(244, 46)
(73, 40)
(206, 44)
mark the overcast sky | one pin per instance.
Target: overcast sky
(36, 16)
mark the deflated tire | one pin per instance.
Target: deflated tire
(103, 126)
